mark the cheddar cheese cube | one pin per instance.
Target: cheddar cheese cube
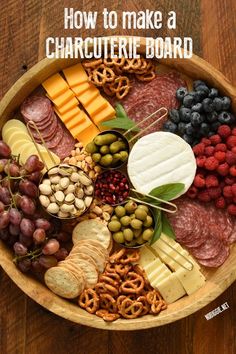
(96, 106)
(86, 135)
(55, 86)
(68, 106)
(63, 98)
(88, 96)
(75, 75)
(79, 89)
(65, 117)
(77, 120)
(107, 113)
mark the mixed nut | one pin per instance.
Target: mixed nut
(66, 191)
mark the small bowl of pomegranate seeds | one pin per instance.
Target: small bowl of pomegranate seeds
(112, 187)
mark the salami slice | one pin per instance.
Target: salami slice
(48, 132)
(54, 141)
(209, 249)
(216, 261)
(65, 146)
(36, 108)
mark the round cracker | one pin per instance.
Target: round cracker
(99, 260)
(92, 229)
(63, 282)
(89, 270)
(80, 255)
(96, 244)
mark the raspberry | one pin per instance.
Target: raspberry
(234, 190)
(230, 180)
(206, 141)
(223, 169)
(232, 171)
(231, 209)
(214, 192)
(212, 181)
(199, 149)
(215, 139)
(220, 156)
(227, 192)
(224, 131)
(220, 203)
(230, 158)
(199, 181)
(231, 141)
(203, 196)
(211, 163)
(234, 131)
(200, 160)
(192, 192)
(234, 149)
(209, 150)
(222, 184)
(221, 147)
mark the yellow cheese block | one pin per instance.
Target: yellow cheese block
(88, 96)
(80, 89)
(65, 117)
(107, 113)
(55, 86)
(170, 288)
(75, 75)
(68, 106)
(77, 120)
(86, 134)
(62, 99)
(96, 106)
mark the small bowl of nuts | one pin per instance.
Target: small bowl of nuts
(66, 191)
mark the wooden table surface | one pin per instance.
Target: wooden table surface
(25, 327)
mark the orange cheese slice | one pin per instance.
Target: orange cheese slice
(75, 75)
(87, 134)
(88, 96)
(68, 106)
(107, 113)
(79, 89)
(65, 117)
(96, 106)
(62, 99)
(77, 120)
(55, 86)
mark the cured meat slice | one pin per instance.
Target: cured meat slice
(65, 146)
(56, 139)
(47, 132)
(209, 249)
(36, 108)
(216, 261)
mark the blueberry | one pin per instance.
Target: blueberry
(188, 100)
(197, 107)
(204, 129)
(213, 93)
(207, 105)
(215, 126)
(212, 117)
(226, 102)
(188, 139)
(184, 114)
(169, 126)
(174, 115)
(210, 133)
(203, 91)
(198, 83)
(196, 119)
(217, 104)
(189, 129)
(181, 128)
(180, 93)
(226, 118)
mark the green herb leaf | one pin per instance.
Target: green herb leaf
(167, 191)
(122, 121)
(158, 229)
(166, 226)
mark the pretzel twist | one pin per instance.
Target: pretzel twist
(133, 284)
(89, 300)
(131, 308)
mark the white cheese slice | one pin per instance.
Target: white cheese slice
(150, 267)
(158, 274)
(170, 288)
(191, 280)
(161, 158)
(146, 256)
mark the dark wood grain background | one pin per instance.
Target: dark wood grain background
(27, 328)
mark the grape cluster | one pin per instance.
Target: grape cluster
(35, 240)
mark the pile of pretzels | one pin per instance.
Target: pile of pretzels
(111, 74)
(122, 290)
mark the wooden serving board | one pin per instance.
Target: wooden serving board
(217, 280)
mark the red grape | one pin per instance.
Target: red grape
(61, 254)
(27, 205)
(39, 236)
(2, 207)
(4, 219)
(47, 261)
(14, 229)
(42, 224)
(33, 164)
(35, 177)
(19, 249)
(5, 150)
(4, 234)
(15, 216)
(5, 195)
(51, 247)
(24, 265)
(28, 188)
(27, 227)
(63, 236)
(25, 240)
(12, 169)
(36, 266)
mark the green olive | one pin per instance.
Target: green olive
(124, 155)
(137, 233)
(117, 146)
(120, 211)
(125, 220)
(140, 240)
(114, 217)
(104, 149)
(96, 157)
(91, 148)
(106, 160)
(131, 243)
(148, 221)
(144, 207)
(114, 225)
(140, 214)
(147, 234)
(132, 216)
(136, 224)
(105, 139)
(119, 237)
(116, 158)
(130, 207)
(128, 234)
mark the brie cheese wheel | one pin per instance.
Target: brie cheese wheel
(161, 158)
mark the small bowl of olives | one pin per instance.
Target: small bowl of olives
(132, 224)
(109, 149)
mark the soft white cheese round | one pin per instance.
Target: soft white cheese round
(161, 158)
